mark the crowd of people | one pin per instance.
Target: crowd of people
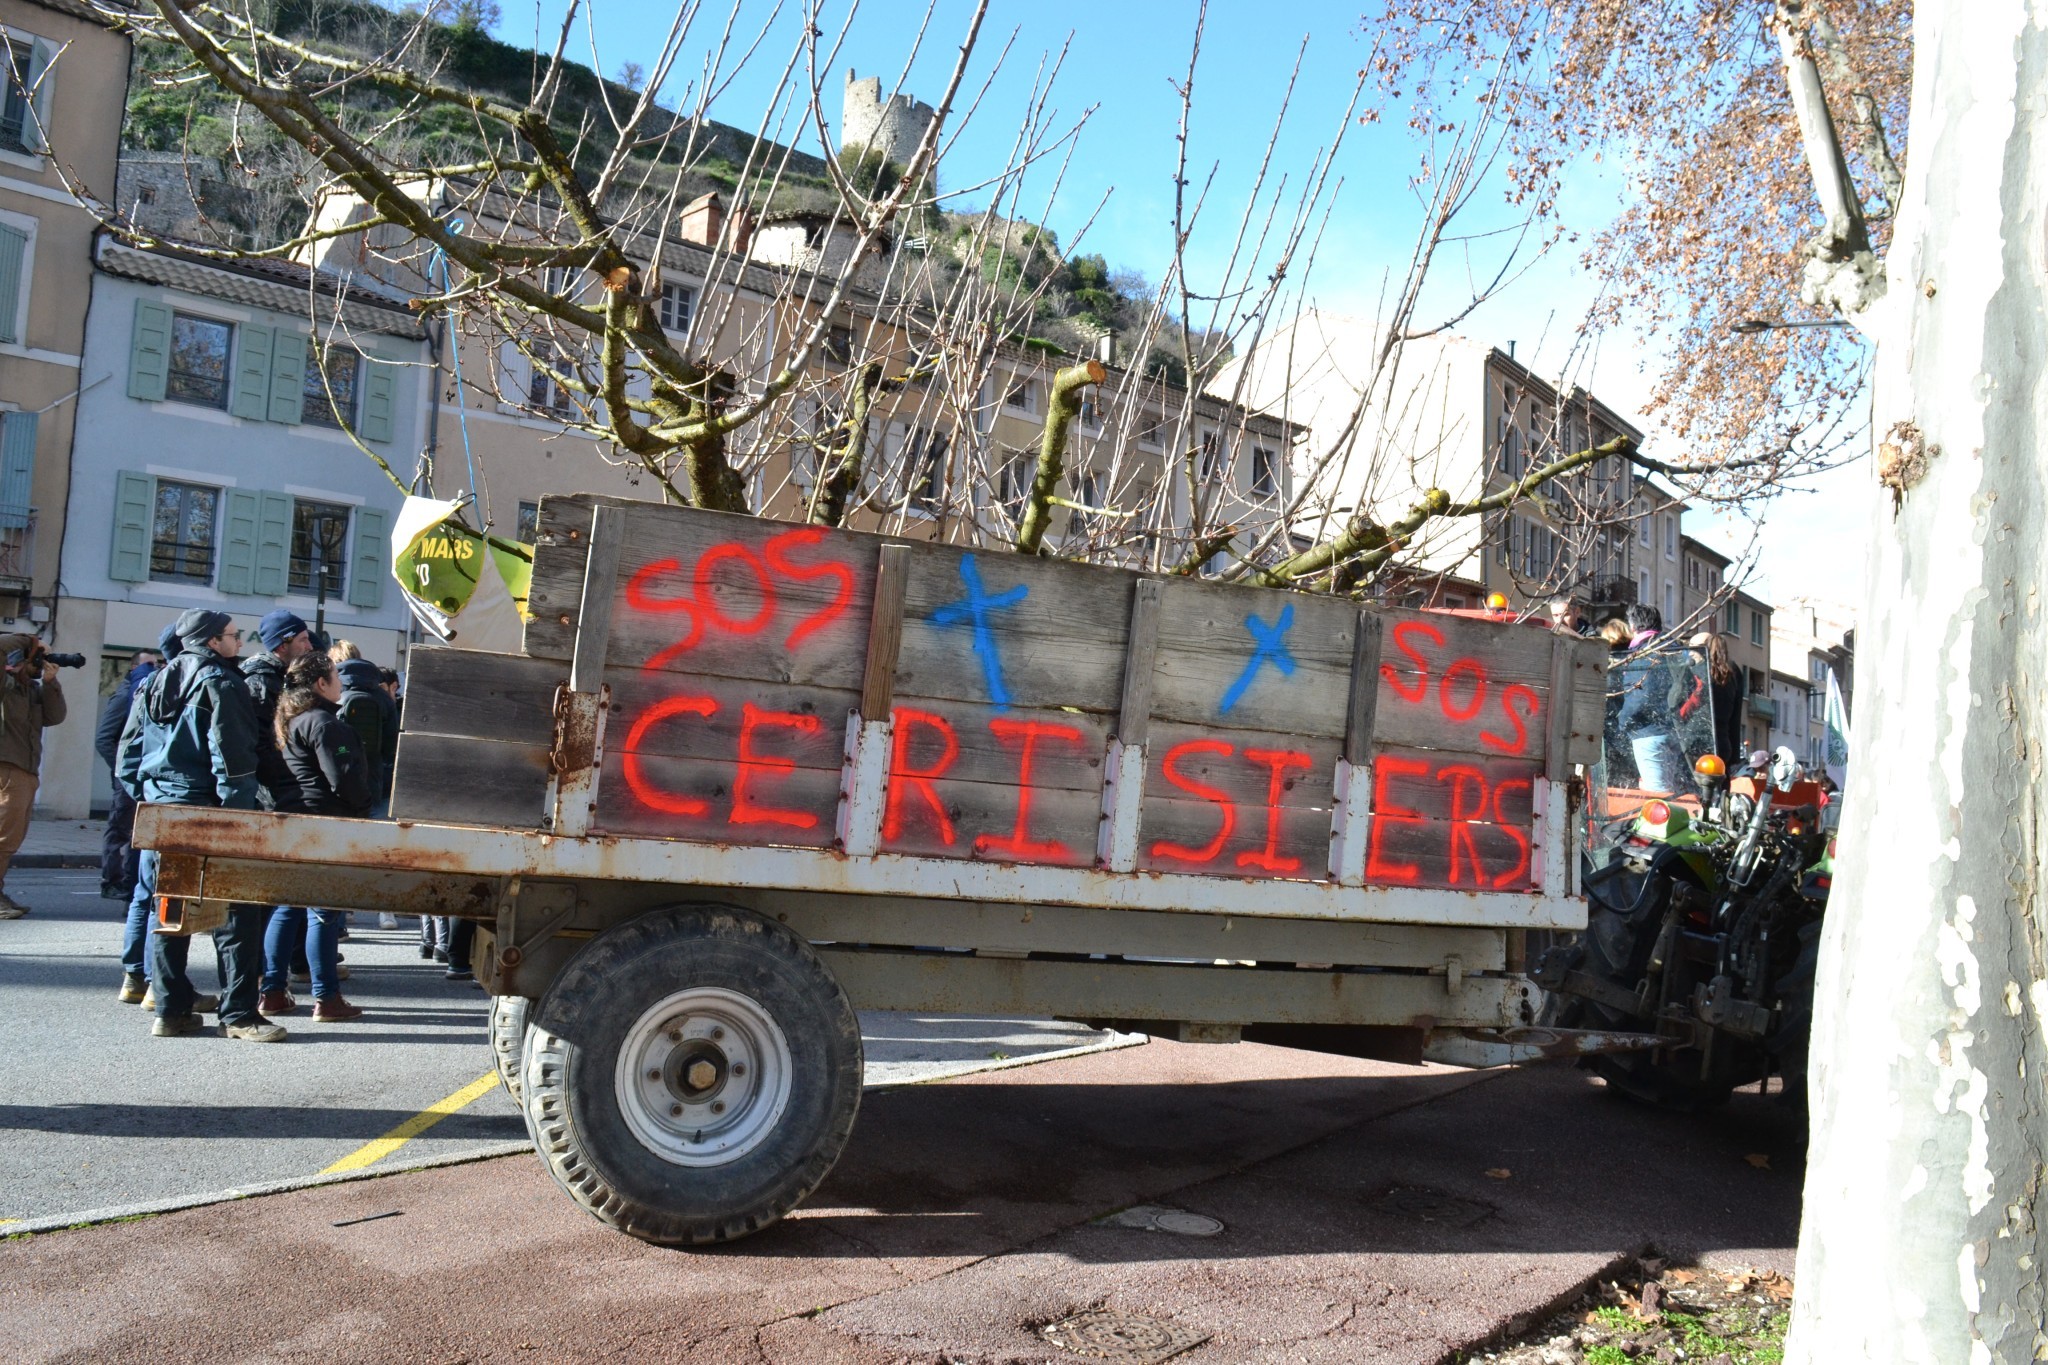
(304, 725)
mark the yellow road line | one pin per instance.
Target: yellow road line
(414, 1126)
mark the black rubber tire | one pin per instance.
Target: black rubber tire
(1793, 1037)
(1616, 948)
(508, 1039)
(572, 1048)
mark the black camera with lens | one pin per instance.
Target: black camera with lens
(66, 660)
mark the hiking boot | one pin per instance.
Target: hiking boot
(177, 1026)
(334, 1009)
(258, 1030)
(202, 1003)
(426, 953)
(275, 1002)
(459, 974)
(10, 908)
(387, 920)
(134, 988)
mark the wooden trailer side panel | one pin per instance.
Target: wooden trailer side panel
(780, 685)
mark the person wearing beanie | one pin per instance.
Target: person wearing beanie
(285, 638)
(196, 745)
(31, 700)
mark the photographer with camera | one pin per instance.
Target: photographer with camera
(31, 700)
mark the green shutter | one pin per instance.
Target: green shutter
(252, 374)
(380, 388)
(40, 55)
(273, 545)
(13, 247)
(17, 467)
(287, 377)
(371, 561)
(238, 545)
(134, 501)
(149, 352)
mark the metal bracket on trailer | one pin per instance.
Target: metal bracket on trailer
(1484, 1047)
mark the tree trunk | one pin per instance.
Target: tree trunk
(1920, 1240)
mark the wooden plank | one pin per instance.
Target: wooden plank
(451, 780)
(1447, 786)
(762, 802)
(707, 718)
(1216, 839)
(555, 591)
(1243, 658)
(468, 692)
(885, 632)
(981, 821)
(1469, 686)
(1557, 738)
(1012, 630)
(964, 741)
(1411, 851)
(1365, 687)
(594, 614)
(1134, 711)
(738, 597)
(1199, 763)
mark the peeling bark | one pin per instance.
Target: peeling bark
(1921, 1239)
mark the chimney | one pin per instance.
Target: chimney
(703, 220)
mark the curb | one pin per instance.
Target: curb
(54, 860)
(62, 1222)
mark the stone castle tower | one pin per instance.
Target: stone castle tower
(892, 127)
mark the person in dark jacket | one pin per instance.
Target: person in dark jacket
(1730, 689)
(330, 775)
(117, 854)
(285, 638)
(192, 741)
(370, 710)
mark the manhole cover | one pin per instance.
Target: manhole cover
(1123, 1337)
(1433, 1206)
(1159, 1218)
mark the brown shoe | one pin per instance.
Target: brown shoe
(334, 1009)
(275, 1002)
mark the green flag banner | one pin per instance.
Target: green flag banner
(460, 583)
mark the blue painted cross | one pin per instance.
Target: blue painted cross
(1269, 646)
(974, 609)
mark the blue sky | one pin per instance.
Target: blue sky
(1124, 59)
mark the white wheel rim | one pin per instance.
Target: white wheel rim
(703, 1076)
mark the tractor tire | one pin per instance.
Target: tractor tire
(692, 1074)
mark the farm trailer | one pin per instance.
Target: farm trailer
(749, 777)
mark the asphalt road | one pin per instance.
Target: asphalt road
(96, 1114)
(1360, 1212)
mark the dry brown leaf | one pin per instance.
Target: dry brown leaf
(1760, 1160)
(1498, 1173)
(1681, 1276)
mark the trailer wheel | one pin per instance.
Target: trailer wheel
(508, 1038)
(692, 1074)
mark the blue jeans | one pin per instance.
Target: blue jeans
(320, 932)
(141, 916)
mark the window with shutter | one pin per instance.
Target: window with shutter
(17, 121)
(287, 376)
(273, 543)
(198, 363)
(17, 468)
(380, 401)
(319, 547)
(252, 374)
(134, 498)
(372, 559)
(149, 352)
(13, 283)
(238, 547)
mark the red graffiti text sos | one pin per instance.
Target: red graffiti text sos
(698, 604)
(1462, 690)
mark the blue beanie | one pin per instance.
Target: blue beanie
(278, 627)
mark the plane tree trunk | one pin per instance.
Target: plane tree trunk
(1921, 1238)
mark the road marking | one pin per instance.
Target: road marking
(419, 1123)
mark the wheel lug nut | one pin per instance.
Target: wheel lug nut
(675, 1035)
(655, 1074)
(675, 1111)
(716, 1034)
(718, 1106)
(739, 1068)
